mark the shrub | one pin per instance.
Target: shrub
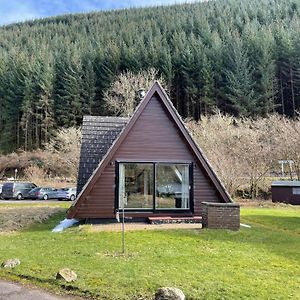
(59, 158)
(36, 174)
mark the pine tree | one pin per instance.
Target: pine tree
(241, 56)
(45, 103)
(106, 68)
(239, 79)
(12, 88)
(261, 44)
(61, 106)
(285, 69)
(26, 121)
(88, 85)
(207, 85)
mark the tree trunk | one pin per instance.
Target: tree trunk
(18, 131)
(292, 90)
(281, 95)
(37, 140)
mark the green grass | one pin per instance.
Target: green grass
(258, 263)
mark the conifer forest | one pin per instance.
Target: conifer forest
(239, 56)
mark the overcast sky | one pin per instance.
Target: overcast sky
(20, 10)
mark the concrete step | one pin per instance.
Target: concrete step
(174, 220)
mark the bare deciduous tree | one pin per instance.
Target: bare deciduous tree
(216, 136)
(244, 151)
(121, 98)
(288, 139)
(66, 143)
(36, 175)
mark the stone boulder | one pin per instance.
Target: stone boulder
(169, 293)
(11, 263)
(66, 274)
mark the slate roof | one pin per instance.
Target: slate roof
(98, 134)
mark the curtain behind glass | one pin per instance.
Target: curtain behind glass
(122, 193)
(185, 187)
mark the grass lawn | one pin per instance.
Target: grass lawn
(258, 263)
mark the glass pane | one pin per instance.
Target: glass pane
(172, 186)
(136, 185)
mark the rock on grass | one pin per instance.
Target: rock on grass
(169, 293)
(11, 263)
(66, 274)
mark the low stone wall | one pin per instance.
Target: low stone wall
(221, 215)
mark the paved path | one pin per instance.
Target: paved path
(16, 291)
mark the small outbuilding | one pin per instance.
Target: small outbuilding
(148, 163)
(286, 192)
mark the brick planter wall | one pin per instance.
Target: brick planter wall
(220, 215)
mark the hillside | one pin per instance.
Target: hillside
(240, 56)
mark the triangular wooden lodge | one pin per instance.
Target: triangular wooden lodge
(149, 163)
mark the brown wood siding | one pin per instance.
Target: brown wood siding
(154, 137)
(285, 194)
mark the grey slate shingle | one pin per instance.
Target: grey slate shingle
(98, 134)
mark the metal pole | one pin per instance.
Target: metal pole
(291, 169)
(123, 229)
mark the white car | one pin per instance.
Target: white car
(66, 194)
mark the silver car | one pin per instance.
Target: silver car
(43, 193)
(66, 194)
(16, 190)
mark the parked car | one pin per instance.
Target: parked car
(66, 194)
(16, 190)
(43, 193)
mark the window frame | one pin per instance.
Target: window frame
(296, 190)
(154, 166)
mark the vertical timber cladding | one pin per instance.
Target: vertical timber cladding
(286, 192)
(153, 137)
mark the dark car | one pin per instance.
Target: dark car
(1, 185)
(16, 190)
(66, 194)
(43, 193)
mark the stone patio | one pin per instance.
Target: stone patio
(131, 226)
